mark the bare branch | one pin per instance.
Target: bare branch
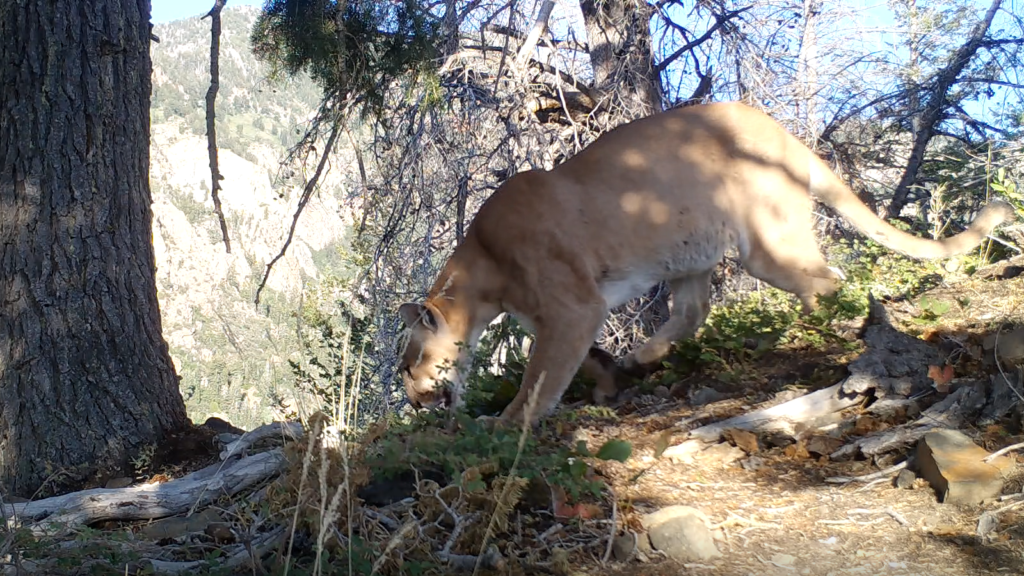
(933, 110)
(211, 115)
(720, 20)
(307, 192)
(989, 81)
(540, 26)
(1001, 42)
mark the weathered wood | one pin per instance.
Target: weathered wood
(149, 501)
(952, 412)
(785, 417)
(242, 557)
(285, 430)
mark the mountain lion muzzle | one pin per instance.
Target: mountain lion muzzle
(659, 199)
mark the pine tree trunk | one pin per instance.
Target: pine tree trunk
(85, 374)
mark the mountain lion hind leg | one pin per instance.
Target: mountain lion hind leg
(792, 262)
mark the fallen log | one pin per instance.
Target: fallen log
(786, 418)
(952, 412)
(245, 557)
(148, 501)
(286, 430)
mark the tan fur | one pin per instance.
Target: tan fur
(658, 199)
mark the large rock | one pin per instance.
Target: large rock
(682, 533)
(954, 466)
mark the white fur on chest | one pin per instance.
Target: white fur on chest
(622, 288)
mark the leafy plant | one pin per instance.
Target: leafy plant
(423, 444)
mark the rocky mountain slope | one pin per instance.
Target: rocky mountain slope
(232, 356)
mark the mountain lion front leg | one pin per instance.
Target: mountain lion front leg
(562, 343)
(691, 303)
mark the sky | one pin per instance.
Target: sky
(874, 12)
(167, 10)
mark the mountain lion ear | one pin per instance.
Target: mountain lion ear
(412, 312)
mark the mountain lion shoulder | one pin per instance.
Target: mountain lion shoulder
(659, 199)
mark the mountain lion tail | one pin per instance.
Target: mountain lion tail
(828, 188)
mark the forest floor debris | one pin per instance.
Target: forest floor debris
(791, 468)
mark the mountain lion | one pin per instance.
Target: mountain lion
(658, 199)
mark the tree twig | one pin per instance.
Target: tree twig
(867, 477)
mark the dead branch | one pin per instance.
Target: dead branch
(784, 417)
(720, 20)
(149, 501)
(246, 556)
(867, 477)
(287, 430)
(1002, 451)
(540, 26)
(307, 193)
(568, 44)
(489, 560)
(211, 116)
(936, 105)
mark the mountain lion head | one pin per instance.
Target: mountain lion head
(428, 360)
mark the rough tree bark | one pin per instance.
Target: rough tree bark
(619, 37)
(85, 374)
(935, 107)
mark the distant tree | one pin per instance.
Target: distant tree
(85, 375)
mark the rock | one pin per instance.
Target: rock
(987, 523)
(221, 426)
(681, 532)
(895, 409)
(629, 545)
(384, 491)
(624, 546)
(662, 391)
(866, 424)
(953, 465)
(753, 464)
(892, 361)
(905, 479)
(784, 560)
(683, 453)
(743, 440)
(1001, 401)
(724, 454)
(1011, 347)
(227, 438)
(1011, 271)
(705, 395)
(778, 440)
(822, 445)
(118, 483)
(678, 390)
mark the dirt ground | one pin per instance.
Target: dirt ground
(784, 519)
(781, 517)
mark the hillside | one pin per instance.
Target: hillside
(232, 358)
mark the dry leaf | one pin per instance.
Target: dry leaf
(797, 451)
(941, 377)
